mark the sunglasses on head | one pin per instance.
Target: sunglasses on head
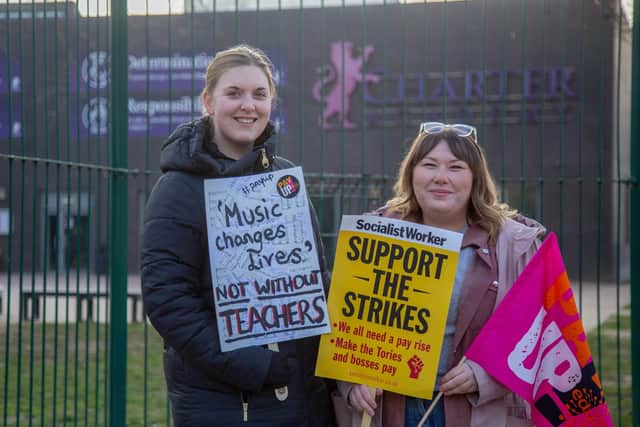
(459, 129)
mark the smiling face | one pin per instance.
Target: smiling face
(442, 186)
(240, 106)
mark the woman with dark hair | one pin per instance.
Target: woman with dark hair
(208, 387)
(444, 182)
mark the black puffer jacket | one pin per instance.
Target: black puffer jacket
(206, 386)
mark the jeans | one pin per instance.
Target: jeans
(415, 408)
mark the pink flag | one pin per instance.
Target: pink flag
(534, 344)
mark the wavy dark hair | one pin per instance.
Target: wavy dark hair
(484, 208)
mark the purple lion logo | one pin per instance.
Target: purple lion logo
(344, 72)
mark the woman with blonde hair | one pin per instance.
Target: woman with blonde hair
(208, 387)
(444, 182)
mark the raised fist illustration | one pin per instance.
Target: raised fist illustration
(415, 365)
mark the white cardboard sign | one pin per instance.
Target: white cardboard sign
(267, 285)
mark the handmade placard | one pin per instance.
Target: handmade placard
(267, 284)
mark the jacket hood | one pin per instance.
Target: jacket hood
(188, 149)
(520, 231)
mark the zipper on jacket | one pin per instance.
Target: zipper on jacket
(264, 158)
(245, 407)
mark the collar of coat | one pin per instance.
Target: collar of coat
(190, 148)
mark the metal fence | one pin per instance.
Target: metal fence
(87, 94)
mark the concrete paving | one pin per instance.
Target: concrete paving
(596, 302)
(80, 296)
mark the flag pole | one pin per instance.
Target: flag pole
(429, 410)
(434, 402)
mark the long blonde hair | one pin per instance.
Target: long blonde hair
(484, 208)
(236, 56)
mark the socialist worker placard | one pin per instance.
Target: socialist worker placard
(267, 284)
(388, 304)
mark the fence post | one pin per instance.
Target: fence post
(635, 213)
(118, 212)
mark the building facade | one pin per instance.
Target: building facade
(541, 83)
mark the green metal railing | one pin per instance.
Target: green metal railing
(88, 93)
(118, 214)
(635, 205)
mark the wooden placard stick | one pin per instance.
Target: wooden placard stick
(366, 418)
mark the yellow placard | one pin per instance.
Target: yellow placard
(388, 304)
